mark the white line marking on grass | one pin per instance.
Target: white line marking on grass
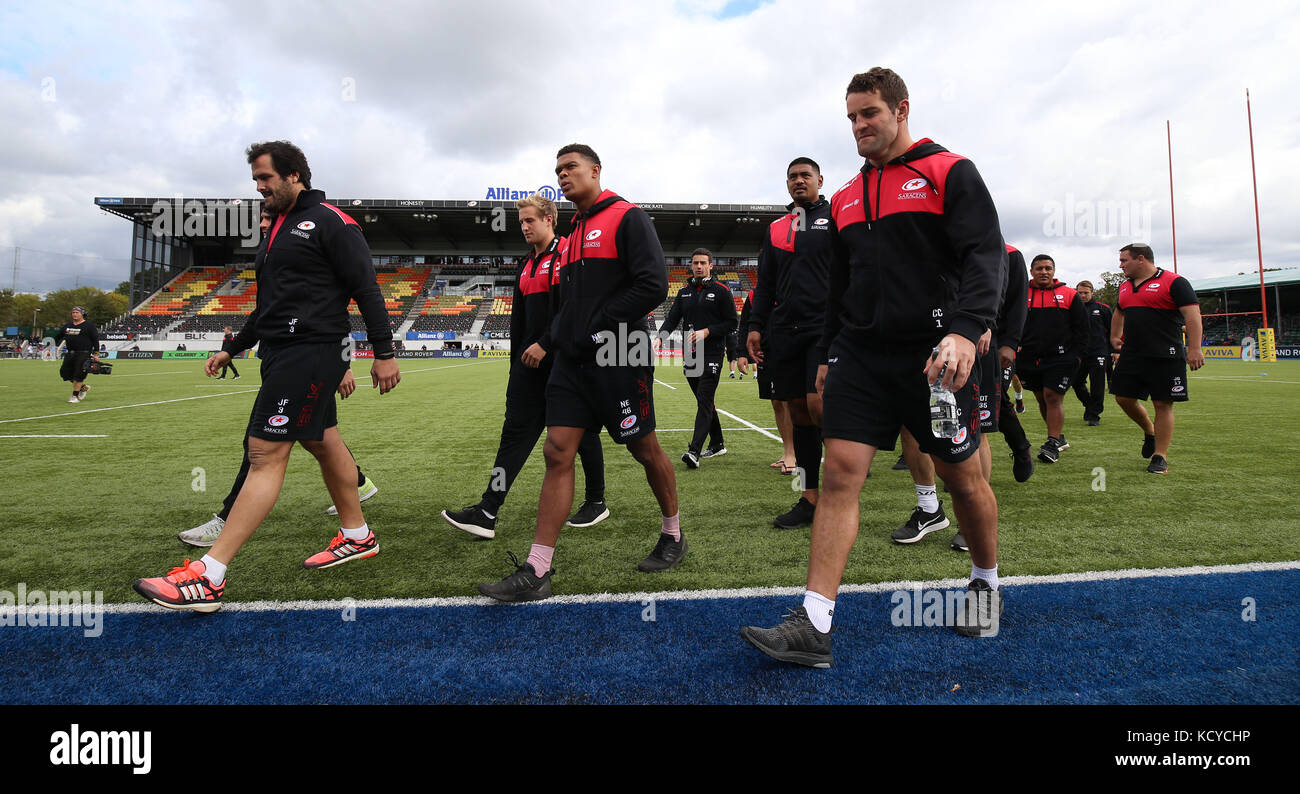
(56, 436)
(750, 425)
(661, 383)
(433, 369)
(1259, 378)
(677, 595)
(147, 374)
(133, 405)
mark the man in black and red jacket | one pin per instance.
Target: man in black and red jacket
(611, 276)
(918, 266)
(530, 316)
(1090, 380)
(1147, 333)
(313, 262)
(789, 314)
(1053, 342)
(709, 314)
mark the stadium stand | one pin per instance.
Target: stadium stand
(447, 313)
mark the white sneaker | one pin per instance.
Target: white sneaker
(364, 492)
(204, 535)
(74, 399)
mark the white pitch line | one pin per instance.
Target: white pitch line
(168, 372)
(133, 405)
(57, 436)
(750, 425)
(1258, 378)
(671, 595)
(661, 383)
(433, 369)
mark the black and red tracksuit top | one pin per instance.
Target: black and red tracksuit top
(1056, 324)
(703, 304)
(314, 260)
(794, 271)
(1010, 325)
(918, 253)
(531, 311)
(612, 274)
(1153, 318)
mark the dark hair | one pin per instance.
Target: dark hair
(1041, 257)
(285, 159)
(702, 252)
(582, 149)
(883, 81)
(803, 161)
(1140, 249)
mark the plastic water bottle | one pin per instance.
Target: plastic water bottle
(943, 409)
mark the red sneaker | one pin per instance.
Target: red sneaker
(184, 587)
(342, 550)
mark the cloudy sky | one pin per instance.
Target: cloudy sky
(1062, 106)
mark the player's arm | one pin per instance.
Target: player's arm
(349, 255)
(971, 225)
(1078, 327)
(643, 258)
(726, 310)
(1185, 298)
(674, 316)
(1015, 307)
(1116, 333)
(760, 307)
(838, 271)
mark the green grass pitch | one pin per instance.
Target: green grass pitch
(97, 513)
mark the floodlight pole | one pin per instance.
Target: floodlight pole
(1259, 246)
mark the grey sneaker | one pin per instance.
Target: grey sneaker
(920, 524)
(522, 585)
(793, 640)
(667, 554)
(981, 613)
(204, 534)
(715, 451)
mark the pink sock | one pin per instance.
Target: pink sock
(672, 526)
(540, 558)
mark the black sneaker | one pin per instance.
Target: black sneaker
(1158, 465)
(1094, 422)
(1022, 465)
(959, 543)
(732, 376)
(1020, 405)
(590, 514)
(975, 616)
(1148, 446)
(473, 520)
(1049, 453)
(793, 640)
(900, 464)
(801, 515)
(691, 459)
(522, 585)
(717, 450)
(920, 524)
(667, 554)
(1061, 444)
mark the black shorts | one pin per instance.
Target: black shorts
(1048, 372)
(764, 382)
(870, 394)
(74, 365)
(990, 373)
(791, 363)
(621, 399)
(296, 399)
(1139, 377)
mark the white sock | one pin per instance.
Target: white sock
(926, 498)
(989, 575)
(360, 533)
(820, 610)
(1020, 395)
(215, 571)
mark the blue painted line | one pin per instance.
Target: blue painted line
(1173, 640)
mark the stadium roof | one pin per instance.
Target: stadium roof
(397, 226)
(1281, 277)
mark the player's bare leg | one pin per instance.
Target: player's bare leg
(267, 461)
(1164, 425)
(835, 527)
